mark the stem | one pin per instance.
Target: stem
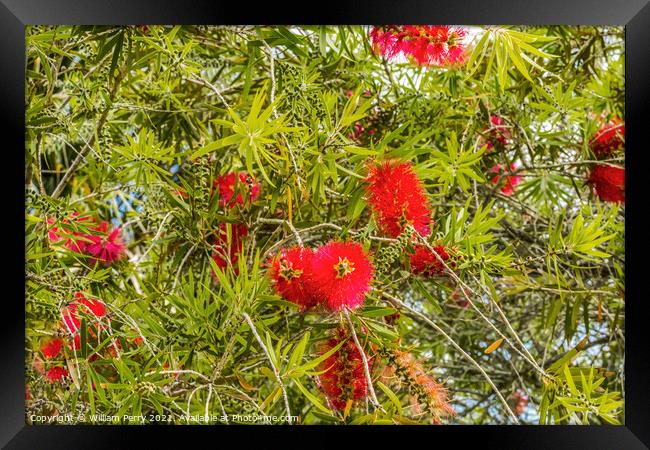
(396, 302)
(463, 288)
(268, 356)
(153, 241)
(366, 368)
(82, 154)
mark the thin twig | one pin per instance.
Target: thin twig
(464, 288)
(268, 356)
(398, 303)
(366, 368)
(180, 268)
(137, 260)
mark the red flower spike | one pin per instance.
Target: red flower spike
(344, 378)
(425, 45)
(56, 373)
(73, 244)
(424, 262)
(519, 400)
(38, 365)
(608, 182)
(459, 298)
(506, 183)
(498, 133)
(113, 348)
(104, 247)
(91, 306)
(289, 273)
(341, 274)
(225, 253)
(609, 139)
(70, 318)
(397, 197)
(75, 343)
(230, 183)
(52, 348)
(85, 305)
(435, 394)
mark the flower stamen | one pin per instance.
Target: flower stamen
(343, 267)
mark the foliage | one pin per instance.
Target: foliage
(134, 126)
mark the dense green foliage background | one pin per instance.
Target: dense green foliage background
(119, 118)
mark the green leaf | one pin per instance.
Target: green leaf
(312, 398)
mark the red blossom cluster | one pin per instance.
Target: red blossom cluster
(241, 184)
(498, 134)
(506, 183)
(289, 271)
(336, 275)
(359, 132)
(82, 306)
(424, 262)
(608, 182)
(424, 387)
(397, 197)
(609, 139)
(519, 400)
(227, 251)
(343, 379)
(95, 241)
(234, 189)
(425, 45)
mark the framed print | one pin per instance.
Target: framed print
(383, 219)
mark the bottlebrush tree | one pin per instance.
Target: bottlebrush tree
(350, 225)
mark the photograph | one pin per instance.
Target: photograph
(325, 225)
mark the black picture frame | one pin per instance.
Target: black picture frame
(633, 14)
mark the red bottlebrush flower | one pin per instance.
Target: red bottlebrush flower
(437, 45)
(344, 377)
(92, 306)
(609, 139)
(113, 348)
(52, 348)
(357, 132)
(70, 318)
(459, 298)
(52, 232)
(138, 341)
(609, 182)
(506, 183)
(340, 274)
(519, 401)
(397, 197)
(105, 247)
(230, 183)
(424, 262)
(38, 365)
(424, 387)
(290, 274)
(56, 373)
(76, 243)
(498, 133)
(224, 252)
(75, 343)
